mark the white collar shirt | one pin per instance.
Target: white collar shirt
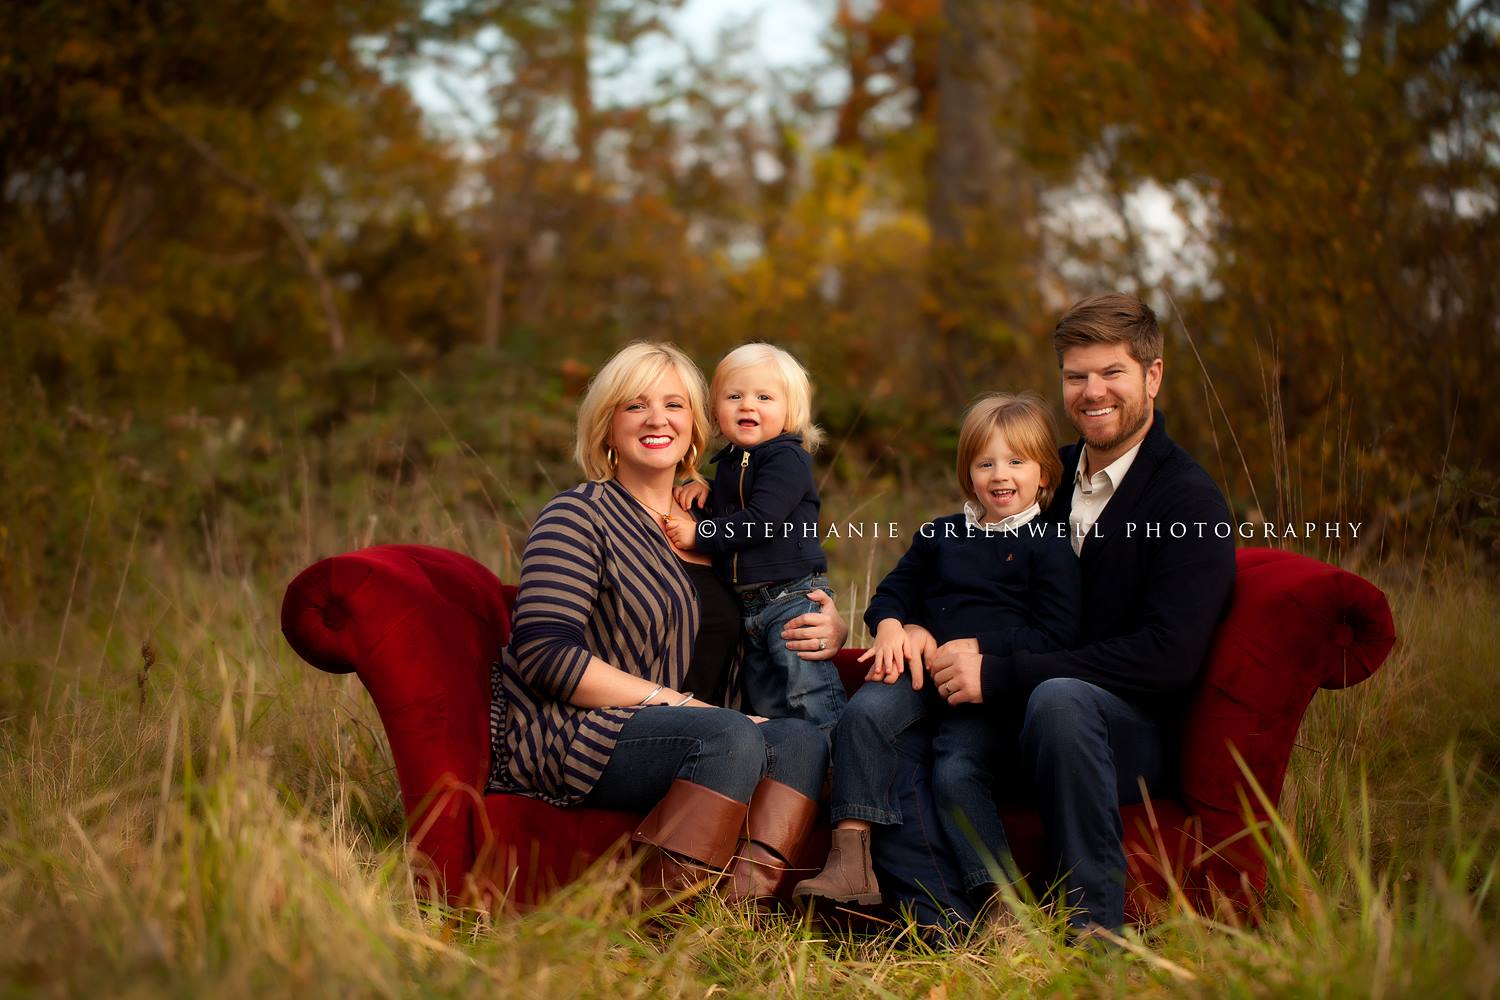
(1092, 493)
(974, 517)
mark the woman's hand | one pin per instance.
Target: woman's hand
(817, 635)
(889, 653)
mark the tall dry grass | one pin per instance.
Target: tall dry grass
(188, 807)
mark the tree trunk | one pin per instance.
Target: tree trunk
(580, 83)
(981, 204)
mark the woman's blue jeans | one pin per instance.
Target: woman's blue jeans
(718, 748)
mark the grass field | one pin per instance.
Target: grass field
(189, 807)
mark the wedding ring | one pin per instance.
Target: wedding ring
(822, 645)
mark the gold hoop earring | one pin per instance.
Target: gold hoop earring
(693, 457)
(611, 457)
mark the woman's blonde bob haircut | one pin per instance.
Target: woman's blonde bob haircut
(633, 372)
(1027, 425)
(794, 380)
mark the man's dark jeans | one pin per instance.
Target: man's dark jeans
(1088, 751)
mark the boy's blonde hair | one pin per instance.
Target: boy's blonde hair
(632, 372)
(1028, 428)
(793, 377)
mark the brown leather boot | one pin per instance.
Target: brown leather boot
(848, 877)
(780, 819)
(694, 830)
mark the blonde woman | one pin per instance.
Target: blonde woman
(625, 647)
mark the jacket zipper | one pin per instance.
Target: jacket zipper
(734, 572)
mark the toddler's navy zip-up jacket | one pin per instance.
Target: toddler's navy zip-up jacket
(762, 513)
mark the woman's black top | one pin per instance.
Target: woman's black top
(718, 635)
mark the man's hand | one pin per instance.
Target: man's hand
(956, 672)
(969, 645)
(690, 495)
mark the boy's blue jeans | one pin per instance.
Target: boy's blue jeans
(778, 683)
(1083, 751)
(968, 744)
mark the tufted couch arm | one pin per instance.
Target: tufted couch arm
(421, 626)
(1294, 625)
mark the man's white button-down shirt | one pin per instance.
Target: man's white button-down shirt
(1092, 493)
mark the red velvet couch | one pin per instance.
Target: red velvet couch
(421, 626)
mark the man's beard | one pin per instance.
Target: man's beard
(1131, 421)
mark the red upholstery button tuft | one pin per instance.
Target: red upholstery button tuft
(1343, 634)
(335, 614)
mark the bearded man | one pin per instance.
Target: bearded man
(1152, 534)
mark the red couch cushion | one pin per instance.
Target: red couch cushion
(528, 849)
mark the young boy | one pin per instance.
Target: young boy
(760, 524)
(991, 571)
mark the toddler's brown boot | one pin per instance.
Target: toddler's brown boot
(848, 876)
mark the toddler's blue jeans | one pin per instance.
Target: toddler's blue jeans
(778, 683)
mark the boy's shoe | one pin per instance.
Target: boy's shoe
(848, 876)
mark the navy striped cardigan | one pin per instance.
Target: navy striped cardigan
(598, 578)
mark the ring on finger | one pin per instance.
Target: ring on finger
(822, 645)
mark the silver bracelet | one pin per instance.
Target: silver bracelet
(647, 700)
(685, 699)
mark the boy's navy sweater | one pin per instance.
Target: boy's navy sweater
(762, 520)
(1152, 601)
(1012, 590)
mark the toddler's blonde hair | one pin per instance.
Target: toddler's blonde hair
(793, 378)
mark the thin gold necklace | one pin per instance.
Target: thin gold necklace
(665, 516)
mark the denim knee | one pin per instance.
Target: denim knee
(796, 754)
(881, 712)
(1061, 715)
(732, 756)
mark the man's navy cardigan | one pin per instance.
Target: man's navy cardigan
(1151, 601)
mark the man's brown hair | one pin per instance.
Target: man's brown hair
(1110, 318)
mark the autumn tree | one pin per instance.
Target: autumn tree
(1341, 161)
